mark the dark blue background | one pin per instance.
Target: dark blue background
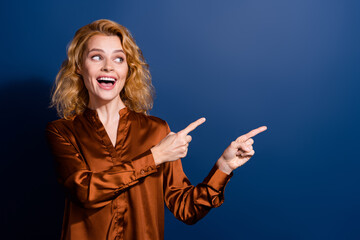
(293, 66)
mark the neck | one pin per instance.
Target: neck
(107, 111)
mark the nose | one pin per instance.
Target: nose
(107, 67)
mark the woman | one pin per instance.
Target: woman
(116, 163)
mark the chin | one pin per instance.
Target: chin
(104, 97)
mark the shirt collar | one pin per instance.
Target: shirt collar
(92, 114)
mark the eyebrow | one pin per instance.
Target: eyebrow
(100, 50)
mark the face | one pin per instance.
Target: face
(104, 69)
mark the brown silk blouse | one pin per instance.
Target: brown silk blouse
(118, 192)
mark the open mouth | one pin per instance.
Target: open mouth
(106, 81)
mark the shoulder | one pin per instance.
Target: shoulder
(67, 131)
(63, 126)
(55, 125)
(59, 124)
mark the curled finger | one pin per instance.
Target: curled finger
(245, 148)
(184, 153)
(240, 146)
(250, 141)
(250, 148)
(247, 154)
(188, 138)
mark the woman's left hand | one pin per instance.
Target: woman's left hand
(239, 151)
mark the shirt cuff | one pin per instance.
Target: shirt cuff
(217, 179)
(215, 183)
(144, 164)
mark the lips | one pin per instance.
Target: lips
(106, 82)
(106, 79)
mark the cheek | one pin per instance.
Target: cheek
(86, 78)
(88, 72)
(123, 70)
(86, 82)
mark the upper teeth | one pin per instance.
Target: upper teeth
(107, 78)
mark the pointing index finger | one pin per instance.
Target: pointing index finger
(252, 133)
(192, 126)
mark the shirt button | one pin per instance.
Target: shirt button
(142, 171)
(215, 200)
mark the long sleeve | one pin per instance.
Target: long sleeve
(190, 203)
(115, 191)
(88, 188)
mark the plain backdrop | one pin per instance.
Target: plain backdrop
(292, 65)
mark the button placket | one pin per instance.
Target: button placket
(119, 210)
(123, 130)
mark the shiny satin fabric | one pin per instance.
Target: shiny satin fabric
(118, 192)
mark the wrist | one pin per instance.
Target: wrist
(156, 156)
(223, 166)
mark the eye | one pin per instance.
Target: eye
(96, 57)
(119, 59)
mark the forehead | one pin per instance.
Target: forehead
(104, 42)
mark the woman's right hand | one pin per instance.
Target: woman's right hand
(174, 145)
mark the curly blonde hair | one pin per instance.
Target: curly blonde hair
(69, 94)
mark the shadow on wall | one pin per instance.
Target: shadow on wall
(32, 201)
